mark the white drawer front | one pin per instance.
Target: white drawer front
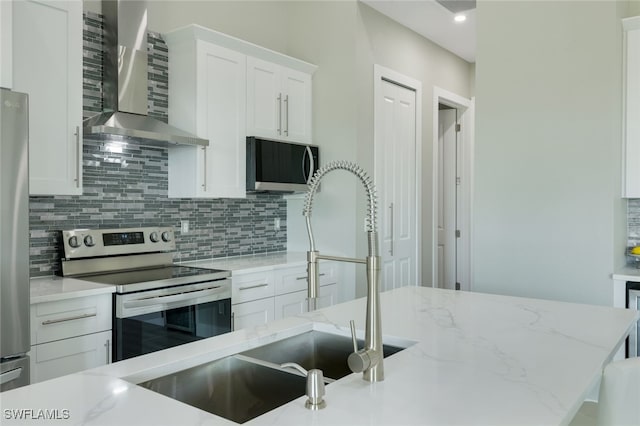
(62, 319)
(254, 286)
(55, 359)
(289, 280)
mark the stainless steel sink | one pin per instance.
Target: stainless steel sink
(231, 388)
(314, 349)
(246, 385)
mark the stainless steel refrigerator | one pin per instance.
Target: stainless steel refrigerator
(14, 240)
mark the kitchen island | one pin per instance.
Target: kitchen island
(473, 359)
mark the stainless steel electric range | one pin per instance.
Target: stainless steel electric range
(157, 304)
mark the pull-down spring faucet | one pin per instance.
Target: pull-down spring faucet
(367, 360)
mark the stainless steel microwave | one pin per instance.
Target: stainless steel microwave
(276, 166)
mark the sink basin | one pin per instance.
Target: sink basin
(231, 388)
(243, 386)
(314, 349)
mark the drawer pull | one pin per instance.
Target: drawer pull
(253, 286)
(55, 321)
(305, 277)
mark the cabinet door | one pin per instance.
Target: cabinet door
(296, 105)
(221, 118)
(6, 47)
(47, 64)
(55, 359)
(252, 314)
(264, 99)
(290, 304)
(632, 108)
(328, 296)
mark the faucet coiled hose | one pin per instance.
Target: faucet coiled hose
(370, 220)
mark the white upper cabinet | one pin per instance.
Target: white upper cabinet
(278, 101)
(224, 89)
(47, 65)
(207, 96)
(632, 108)
(6, 48)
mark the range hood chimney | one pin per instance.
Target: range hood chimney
(125, 80)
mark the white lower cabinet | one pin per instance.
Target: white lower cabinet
(68, 336)
(328, 296)
(252, 314)
(55, 359)
(259, 297)
(290, 304)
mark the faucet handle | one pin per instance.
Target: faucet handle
(353, 335)
(359, 360)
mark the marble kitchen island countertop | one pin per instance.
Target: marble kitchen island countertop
(49, 289)
(478, 359)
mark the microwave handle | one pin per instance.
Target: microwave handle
(312, 165)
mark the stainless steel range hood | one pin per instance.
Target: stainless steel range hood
(125, 80)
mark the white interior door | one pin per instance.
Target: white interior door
(447, 198)
(395, 154)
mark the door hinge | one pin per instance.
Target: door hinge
(457, 286)
(457, 127)
(457, 233)
(458, 180)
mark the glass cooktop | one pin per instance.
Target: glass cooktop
(163, 276)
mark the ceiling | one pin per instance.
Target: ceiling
(434, 21)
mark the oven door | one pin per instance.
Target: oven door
(150, 321)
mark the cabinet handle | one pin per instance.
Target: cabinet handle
(305, 277)
(279, 113)
(78, 156)
(286, 111)
(55, 321)
(107, 345)
(253, 286)
(391, 220)
(233, 321)
(204, 168)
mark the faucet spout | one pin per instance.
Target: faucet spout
(372, 369)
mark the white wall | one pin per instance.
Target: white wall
(385, 42)
(549, 220)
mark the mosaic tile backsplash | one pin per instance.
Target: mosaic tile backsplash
(633, 221)
(126, 185)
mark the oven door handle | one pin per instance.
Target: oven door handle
(139, 306)
(171, 298)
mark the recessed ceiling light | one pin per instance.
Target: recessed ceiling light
(460, 18)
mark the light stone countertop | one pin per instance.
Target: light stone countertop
(479, 359)
(628, 273)
(252, 263)
(53, 288)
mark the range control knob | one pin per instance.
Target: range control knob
(74, 242)
(154, 237)
(88, 241)
(166, 237)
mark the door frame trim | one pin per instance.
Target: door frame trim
(466, 112)
(381, 73)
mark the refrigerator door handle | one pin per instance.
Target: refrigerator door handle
(10, 375)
